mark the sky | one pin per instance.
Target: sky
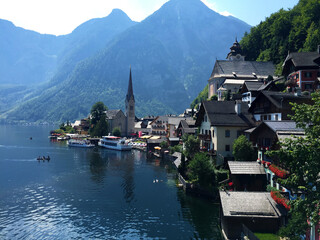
(60, 17)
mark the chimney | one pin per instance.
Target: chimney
(238, 107)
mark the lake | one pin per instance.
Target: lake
(93, 193)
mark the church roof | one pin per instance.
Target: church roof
(242, 69)
(130, 88)
(111, 114)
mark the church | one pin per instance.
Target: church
(230, 74)
(124, 121)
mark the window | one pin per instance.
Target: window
(227, 133)
(227, 148)
(308, 86)
(276, 117)
(239, 133)
(308, 74)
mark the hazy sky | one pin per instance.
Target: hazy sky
(62, 16)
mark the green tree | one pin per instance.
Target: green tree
(203, 96)
(164, 144)
(99, 126)
(100, 129)
(301, 157)
(201, 170)
(116, 132)
(243, 149)
(98, 111)
(192, 145)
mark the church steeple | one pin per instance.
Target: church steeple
(235, 52)
(130, 88)
(130, 108)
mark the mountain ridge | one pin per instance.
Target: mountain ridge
(171, 53)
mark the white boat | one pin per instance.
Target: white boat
(115, 143)
(80, 143)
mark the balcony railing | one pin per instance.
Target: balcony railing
(204, 137)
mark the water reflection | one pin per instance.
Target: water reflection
(92, 194)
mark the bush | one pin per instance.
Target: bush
(201, 170)
(243, 150)
(176, 148)
(164, 145)
(116, 132)
(221, 175)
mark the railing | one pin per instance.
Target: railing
(205, 137)
(246, 232)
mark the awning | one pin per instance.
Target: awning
(157, 148)
(155, 137)
(174, 139)
(146, 137)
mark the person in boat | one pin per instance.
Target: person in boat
(48, 158)
(39, 158)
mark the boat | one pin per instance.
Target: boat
(80, 143)
(115, 143)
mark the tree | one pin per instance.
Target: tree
(116, 132)
(243, 150)
(192, 145)
(98, 111)
(100, 129)
(99, 126)
(300, 156)
(164, 144)
(201, 170)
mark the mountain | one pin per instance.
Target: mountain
(26, 56)
(31, 58)
(171, 53)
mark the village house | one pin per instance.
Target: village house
(234, 71)
(275, 106)
(81, 126)
(250, 89)
(220, 123)
(246, 212)
(247, 176)
(302, 69)
(159, 126)
(142, 127)
(187, 127)
(267, 136)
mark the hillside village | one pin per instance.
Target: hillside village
(245, 98)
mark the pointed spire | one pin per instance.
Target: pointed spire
(130, 88)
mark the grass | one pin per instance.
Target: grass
(267, 236)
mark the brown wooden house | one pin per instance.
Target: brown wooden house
(275, 106)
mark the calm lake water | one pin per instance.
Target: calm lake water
(92, 193)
